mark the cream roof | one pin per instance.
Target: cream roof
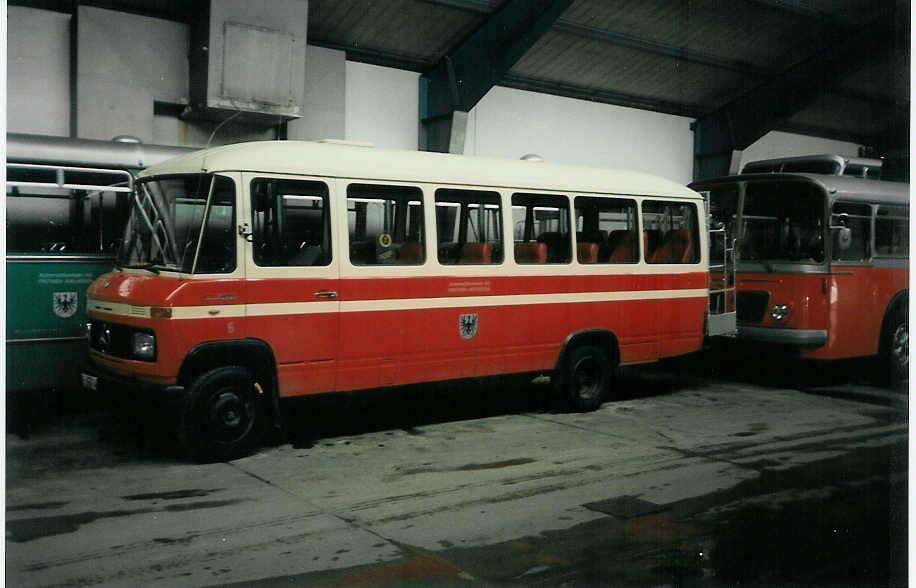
(359, 162)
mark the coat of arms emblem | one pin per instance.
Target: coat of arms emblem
(65, 304)
(467, 325)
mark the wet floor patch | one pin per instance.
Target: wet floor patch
(624, 507)
(470, 467)
(172, 495)
(29, 529)
(36, 506)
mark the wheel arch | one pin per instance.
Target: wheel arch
(253, 354)
(601, 338)
(900, 300)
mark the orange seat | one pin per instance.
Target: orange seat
(587, 252)
(677, 248)
(474, 253)
(624, 247)
(531, 253)
(410, 253)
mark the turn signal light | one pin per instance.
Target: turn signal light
(160, 312)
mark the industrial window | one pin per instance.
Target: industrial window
(670, 232)
(540, 225)
(291, 225)
(469, 226)
(607, 230)
(857, 218)
(385, 225)
(892, 231)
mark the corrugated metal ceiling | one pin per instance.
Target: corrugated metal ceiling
(686, 57)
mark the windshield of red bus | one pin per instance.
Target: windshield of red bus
(167, 214)
(782, 221)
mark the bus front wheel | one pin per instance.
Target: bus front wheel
(219, 419)
(895, 347)
(584, 378)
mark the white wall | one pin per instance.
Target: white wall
(510, 123)
(324, 115)
(125, 63)
(382, 106)
(38, 72)
(778, 144)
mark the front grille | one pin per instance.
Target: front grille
(112, 339)
(752, 306)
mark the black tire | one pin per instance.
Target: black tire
(220, 415)
(584, 378)
(895, 347)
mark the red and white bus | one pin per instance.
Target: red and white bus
(823, 261)
(258, 271)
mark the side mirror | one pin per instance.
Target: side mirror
(842, 237)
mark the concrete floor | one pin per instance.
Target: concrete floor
(694, 479)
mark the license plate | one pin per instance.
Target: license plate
(90, 382)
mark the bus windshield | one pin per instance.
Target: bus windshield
(166, 217)
(782, 221)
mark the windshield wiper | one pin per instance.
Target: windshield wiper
(144, 266)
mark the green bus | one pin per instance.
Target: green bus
(66, 204)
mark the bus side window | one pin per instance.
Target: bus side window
(856, 217)
(610, 225)
(385, 224)
(671, 232)
(469, 224)
(69, 222)
(892, 231)
(291, 224)
(541, 226)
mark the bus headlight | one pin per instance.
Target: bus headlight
(144, 346)
(779, 312)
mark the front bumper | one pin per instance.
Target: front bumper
(800, 337)
(107, 383)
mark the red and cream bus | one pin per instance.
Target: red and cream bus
(258, 271)
(823, 262)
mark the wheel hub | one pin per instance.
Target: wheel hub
(900, 346)
(586, 376)
(227, 410)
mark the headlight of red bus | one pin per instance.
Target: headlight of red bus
(144, 346)
(779, 312)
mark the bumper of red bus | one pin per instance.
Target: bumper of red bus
(106, 382)
(801, 337)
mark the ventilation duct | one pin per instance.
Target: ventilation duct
(248, 59)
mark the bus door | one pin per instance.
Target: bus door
(854, 289)
(383, 332)
(292, 279)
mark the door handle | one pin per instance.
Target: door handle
(325, 294)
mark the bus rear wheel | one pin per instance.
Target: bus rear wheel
(895, 348)
(583, 380)
(219, 419)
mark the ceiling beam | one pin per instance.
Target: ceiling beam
(744, 120)
(465, 74)
(797, 9)
(571, 27)
(600, 95)
(374, 56)
(657, 48)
